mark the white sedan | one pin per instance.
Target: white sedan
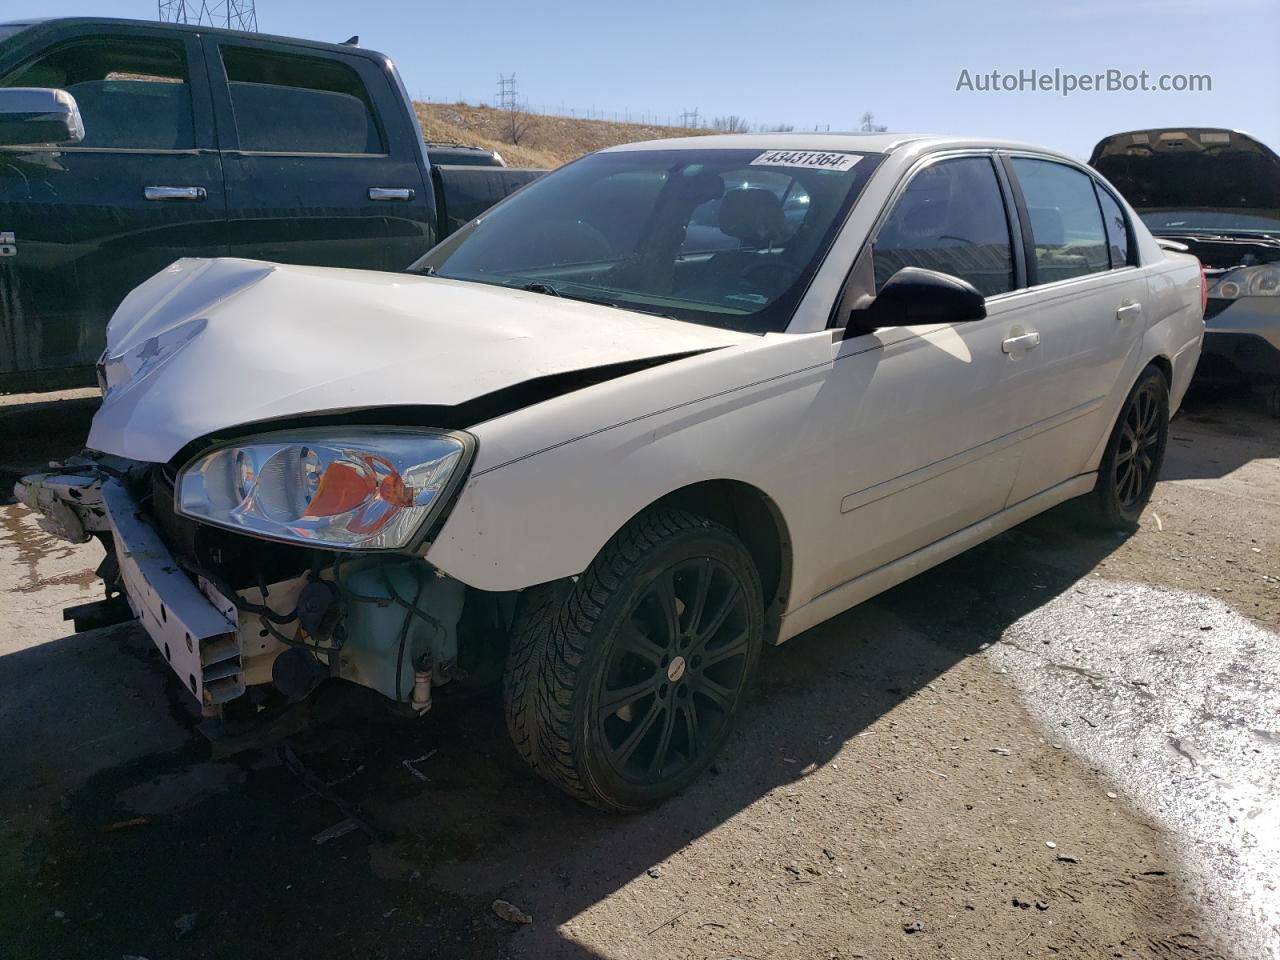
(673, 402)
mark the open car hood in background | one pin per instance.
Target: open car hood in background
(209, 345)
(1191, 168)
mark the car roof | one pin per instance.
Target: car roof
(883, 143)
(188, 28)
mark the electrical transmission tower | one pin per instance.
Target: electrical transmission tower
(689, 118)
(507, 93)
(231, 14)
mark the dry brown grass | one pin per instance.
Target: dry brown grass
(549, 141)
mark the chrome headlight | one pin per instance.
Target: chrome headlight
(342, 488)
(1263, 281)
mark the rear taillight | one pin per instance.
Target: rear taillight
(1204, 291)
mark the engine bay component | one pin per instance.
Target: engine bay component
(400, 621)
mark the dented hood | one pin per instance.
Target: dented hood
(210, 344)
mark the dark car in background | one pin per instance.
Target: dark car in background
(1217, 193)
(127, 145)
(462, 155)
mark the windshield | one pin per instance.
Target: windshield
(728, 238)
(1210, 221)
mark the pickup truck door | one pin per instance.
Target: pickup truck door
(87, 223)
(324, 162)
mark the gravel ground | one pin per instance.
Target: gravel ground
(1034, 750)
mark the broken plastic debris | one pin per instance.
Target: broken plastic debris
(509, 912)
(128, 824)
(185, 925)
(339, 829)
(409, 765)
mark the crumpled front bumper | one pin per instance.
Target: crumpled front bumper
(387, 622)
(195, 628)
(213, 649)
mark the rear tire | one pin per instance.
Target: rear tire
(643, 674)
(1134, 454)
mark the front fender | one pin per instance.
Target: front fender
(552, 483)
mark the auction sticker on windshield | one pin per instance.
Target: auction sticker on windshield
(806, 158)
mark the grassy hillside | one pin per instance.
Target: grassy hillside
(548, 141)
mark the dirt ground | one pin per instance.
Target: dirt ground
(1060, 744)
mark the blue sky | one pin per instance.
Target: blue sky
(811, 62)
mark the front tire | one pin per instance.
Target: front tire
(1134, 454)
(643, 674)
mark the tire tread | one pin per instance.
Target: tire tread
(570, 634)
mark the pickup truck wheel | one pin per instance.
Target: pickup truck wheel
(644, 672)
(1134, 454)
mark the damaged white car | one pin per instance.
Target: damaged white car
(671, 403)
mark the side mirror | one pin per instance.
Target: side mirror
(916, 296)
(32, 116)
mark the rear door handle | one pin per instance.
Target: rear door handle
(390, 193)
(1023, 341)
(1128, 312)
(175, 193)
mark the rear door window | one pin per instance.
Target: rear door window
(951, 218)
(283, 103)
(1066, 222)
(133, 93)
(1117, 229)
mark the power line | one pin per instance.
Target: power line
(231, 14)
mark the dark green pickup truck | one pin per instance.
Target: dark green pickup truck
(179, 141)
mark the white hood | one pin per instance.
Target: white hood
(210, 344)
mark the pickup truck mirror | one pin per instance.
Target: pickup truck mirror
(917, 296)
(31, 116)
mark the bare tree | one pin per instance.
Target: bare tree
(869, 124)
(730, 124)
(517, 123)
(779, 128)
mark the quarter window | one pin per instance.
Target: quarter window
(1117, 229)
(951, 218)
(1066, 223)
(133, 94)
(290, 104)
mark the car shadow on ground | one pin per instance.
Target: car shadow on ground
(454, 819)
(35, 429)
(1216, 433)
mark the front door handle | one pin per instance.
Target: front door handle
(1128, 312)
(1023, 341)
(175, 193)
(390, 193)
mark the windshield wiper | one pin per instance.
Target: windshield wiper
(537, 286)
(545, 288)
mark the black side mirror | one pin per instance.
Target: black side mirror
(917, 296)
(32, 116)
